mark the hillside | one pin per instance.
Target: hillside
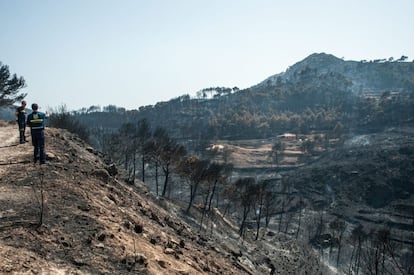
(373, 76)
(93, 223)
(331, 140)
(314, 94)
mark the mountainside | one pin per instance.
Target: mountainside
(315, 94)
(366, 181)
(75, 215)
(319, 158)
(366, 76)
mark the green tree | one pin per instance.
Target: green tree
(10, 86)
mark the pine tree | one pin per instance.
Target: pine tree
(10, 86)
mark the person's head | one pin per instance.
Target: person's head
(24, 103)
(35, 107)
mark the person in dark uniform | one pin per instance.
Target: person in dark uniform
(36, 122)
(21, 121)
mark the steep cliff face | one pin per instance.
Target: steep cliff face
(75, 215)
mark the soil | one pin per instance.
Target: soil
(75, 215)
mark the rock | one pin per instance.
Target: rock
(101, 174)
(138, 228)
(156, 218)
(162, 263)
(100, 245)
(102, 237)
(142, 260)
(84, 207)
(236, 253)
(137, 259)
(127, 225)
(112, 198)
(112, 170)
(169, 251)
(50, 156)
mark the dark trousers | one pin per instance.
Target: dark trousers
(22, 129)
(38, 141)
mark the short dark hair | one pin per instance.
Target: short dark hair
(35, 107)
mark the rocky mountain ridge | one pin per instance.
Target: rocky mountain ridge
(366, 76)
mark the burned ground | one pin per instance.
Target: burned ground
(92, 222)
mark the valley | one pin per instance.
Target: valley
(310, 171)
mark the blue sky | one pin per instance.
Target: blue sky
(132, 53)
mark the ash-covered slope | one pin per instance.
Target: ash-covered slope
(375, 76)
(368, 181)
(92, 222)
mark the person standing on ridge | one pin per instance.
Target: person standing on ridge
(36, 122)
(21, 121)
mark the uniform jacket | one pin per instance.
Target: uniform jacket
(36, 120)
(21, 114)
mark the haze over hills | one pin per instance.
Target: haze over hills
(369, 76)
(316, 93)
(352, 125)
(325, 149)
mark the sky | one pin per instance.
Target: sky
(132, 53)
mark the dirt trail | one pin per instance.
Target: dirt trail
(11, 152)
(9, 136)
(13, 155)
